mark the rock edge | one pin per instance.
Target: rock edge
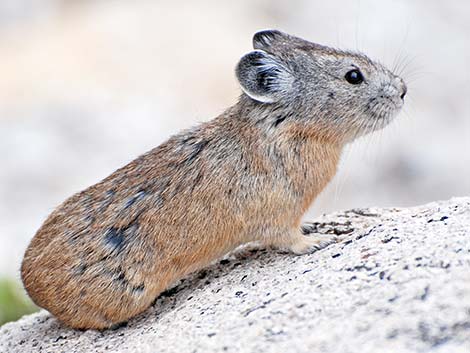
(399, 282)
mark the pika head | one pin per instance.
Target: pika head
(335, 93)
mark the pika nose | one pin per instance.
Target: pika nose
(402, 87)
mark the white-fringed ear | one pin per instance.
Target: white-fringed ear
(266, 38)
(263, 77)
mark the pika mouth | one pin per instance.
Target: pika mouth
(380, 111)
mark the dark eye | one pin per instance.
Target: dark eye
(354, 77)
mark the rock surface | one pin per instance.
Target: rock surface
(399, 282)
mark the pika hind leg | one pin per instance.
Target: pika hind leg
(293, 240)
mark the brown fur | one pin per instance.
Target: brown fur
(106, 253)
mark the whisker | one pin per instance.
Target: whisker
(401, 47)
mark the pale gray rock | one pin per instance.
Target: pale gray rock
(399, 282)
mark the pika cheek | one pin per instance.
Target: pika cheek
(389, 91)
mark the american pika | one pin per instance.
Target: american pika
(106, 253)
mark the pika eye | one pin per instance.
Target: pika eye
(354, 77)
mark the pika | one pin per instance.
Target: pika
(250, 174)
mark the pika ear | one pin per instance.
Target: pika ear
(264, 39)
(263, 77)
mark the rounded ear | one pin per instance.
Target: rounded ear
(264, 39)
(263, 77)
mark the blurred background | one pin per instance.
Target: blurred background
(88, 85)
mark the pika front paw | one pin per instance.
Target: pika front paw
(309, 244)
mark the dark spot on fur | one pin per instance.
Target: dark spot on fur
(279, 120)
(80, 269)
(121, 277)
(124, 282)
(197, 148)
(331, 95)
(114, 238)
(89, 219)
(138, 289)
(137, 197)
